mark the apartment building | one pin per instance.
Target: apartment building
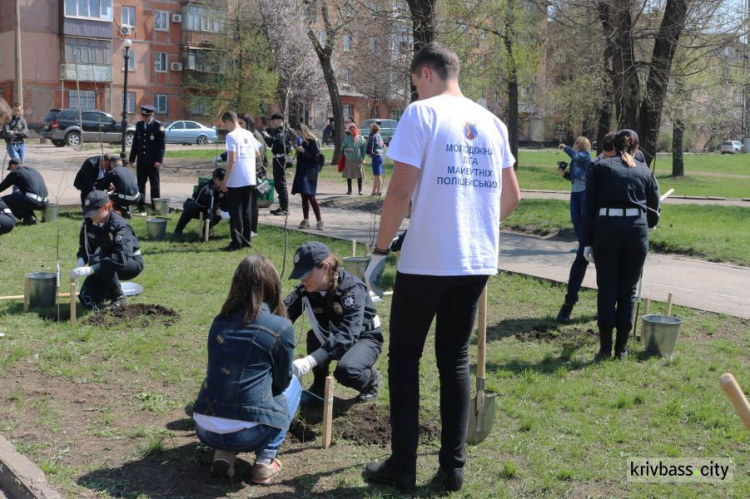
(73, 53)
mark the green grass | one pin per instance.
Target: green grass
(707, 232)
(538, 171)
(564, 426)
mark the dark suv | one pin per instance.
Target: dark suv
(62, 127)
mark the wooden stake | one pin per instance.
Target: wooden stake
(328, 411)
(26, 292)
(646, 306)
(669, 304)
(73, 290)
(736, 397)
(354, 247)
(367, 249)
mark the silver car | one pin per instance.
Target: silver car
(189, 132)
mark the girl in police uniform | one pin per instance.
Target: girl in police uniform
(344, 324)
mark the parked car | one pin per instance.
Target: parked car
(387, 127)
(189, 132)
(731, 146)
(63, 127)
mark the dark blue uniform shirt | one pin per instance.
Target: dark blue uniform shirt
(148, 143)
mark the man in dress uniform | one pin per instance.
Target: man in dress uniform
(209, 199)
(92, 170)
(30, 193)
(120, 183)
(279, 138)
(7, 220)
(148, 147)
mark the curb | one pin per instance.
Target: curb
(20, 478)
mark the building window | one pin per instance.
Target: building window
(160, 62)
(100, 10)
(130, 102)
(347, 42)
(160, 102)
(161, 20)
(203, 61)
(86, 51)
(347, 111)
(322, 37)
(87, 100)
(199, 106)
(345, 73)
(127, 17)
(200, 19)
(373, 45)
(131, 59)
(395, 113)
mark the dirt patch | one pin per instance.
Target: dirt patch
(368, 204)
(572, 339)
(360, 424)
(141, 313)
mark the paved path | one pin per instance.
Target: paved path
(708, 286)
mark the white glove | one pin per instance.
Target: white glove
(588, 254)
(224, 215)
(80, 263)
(81, 272)
(218, 160)
(303, 366)
(374, 261)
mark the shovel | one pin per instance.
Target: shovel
(482, 406)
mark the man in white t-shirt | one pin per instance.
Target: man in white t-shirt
(453, 162)
(242, 151)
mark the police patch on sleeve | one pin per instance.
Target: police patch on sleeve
(291, 297)
(348, 301)
(118, 237)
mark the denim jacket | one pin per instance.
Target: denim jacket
(579, 163)
(249, 367)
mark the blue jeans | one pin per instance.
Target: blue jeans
(263, 439)
(578, 269)
(17, 150)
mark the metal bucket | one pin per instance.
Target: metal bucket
(157, 228)
(660, 334)
(356, 265)
(162, 205)
(42, 288)
(50, 213)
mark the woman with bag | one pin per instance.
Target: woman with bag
(375, 150)
(355, 151)
(306, 176)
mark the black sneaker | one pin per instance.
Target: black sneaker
(602, 355)
(453, 480)
(371, 392)
(232, 247)
(29, 220)
(563, 316)
(385, 473)
(177, 236)
(118, 302)
(278, 212)
(622, 354)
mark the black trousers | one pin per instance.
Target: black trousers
(7, 223)
(147, 173)
(191, 211)
(417, 299)
(254, 210)
(21, 206)
(240, 214)
(620, 247)
(279, 182)
(104, 284)
(354, 368)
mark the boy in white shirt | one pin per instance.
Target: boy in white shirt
(453, 162)
(242, 151)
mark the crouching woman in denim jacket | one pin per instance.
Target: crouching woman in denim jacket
(249, 396)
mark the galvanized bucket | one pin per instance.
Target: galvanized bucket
(356, 265)
(162, 205)
(50, 213)
(157, 228)
(42, 288)
(660, 334)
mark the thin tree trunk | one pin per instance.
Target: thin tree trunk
(678, 165)
(513, 115)
(423, 28)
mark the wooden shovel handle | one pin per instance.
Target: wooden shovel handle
(482, 334)
(736, 397)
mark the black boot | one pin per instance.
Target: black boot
(452, 480)
(389, 473)
(621, 344)
(605, 346)
(563, 316)
(370, 392)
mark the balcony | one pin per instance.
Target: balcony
(202, 39)
(194, 78)
(86, 72)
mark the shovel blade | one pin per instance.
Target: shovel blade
(480, 421)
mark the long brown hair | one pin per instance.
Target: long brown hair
(255, 281)
(333, 276)
(626, 143)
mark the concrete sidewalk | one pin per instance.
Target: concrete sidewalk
(714, 287)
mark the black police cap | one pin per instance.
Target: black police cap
(219, 173)
(148, 110)
(308, 256)
(276, 116)
(93, 202)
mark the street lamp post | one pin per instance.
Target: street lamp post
(128, 43)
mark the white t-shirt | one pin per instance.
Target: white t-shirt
(244, 145)
(460, 149)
